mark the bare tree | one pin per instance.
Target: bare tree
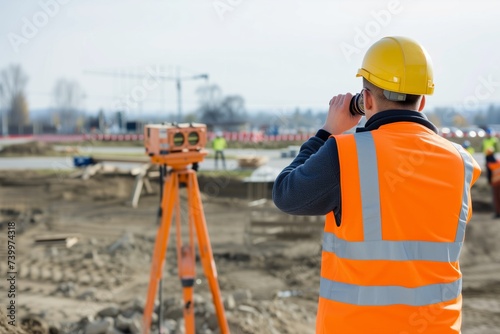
(209, 95)
(233, 108)
(216, 110)
(68, 97)
(13, 82)
(209, 100)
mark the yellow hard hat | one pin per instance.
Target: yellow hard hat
(398, 65)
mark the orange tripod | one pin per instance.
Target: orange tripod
(170, 204)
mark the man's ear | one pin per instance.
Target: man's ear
(422, 103)
(368, 100)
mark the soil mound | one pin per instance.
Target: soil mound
(27, 149)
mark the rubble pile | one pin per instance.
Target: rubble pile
(79, 271)
(5, 327)
(244, 316)
(24, 218)
(92, 269)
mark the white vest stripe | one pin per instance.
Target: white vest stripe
(392, 250)
(468, 166)
(368, 175)
(389, 295)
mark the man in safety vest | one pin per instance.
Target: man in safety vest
(219, 145)
(490, 142)
(397, 200)
(493, 175)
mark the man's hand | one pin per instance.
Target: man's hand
(339, 118)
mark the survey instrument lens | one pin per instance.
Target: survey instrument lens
(178, 139)
(193, 138)
(357, 106)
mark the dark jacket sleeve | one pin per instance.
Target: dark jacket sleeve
(310, 185)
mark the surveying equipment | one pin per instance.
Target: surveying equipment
(357, 106)
(165, 138)
(178, 146)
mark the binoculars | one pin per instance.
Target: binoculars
(357, 106)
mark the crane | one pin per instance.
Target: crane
(177, 78)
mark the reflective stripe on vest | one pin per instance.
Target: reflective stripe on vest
(389, 295)
(374, 248)
(469, 167)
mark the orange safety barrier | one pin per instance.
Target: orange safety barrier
(495, 173)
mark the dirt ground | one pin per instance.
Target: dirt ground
(273, 282)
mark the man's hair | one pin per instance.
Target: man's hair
(411, 101)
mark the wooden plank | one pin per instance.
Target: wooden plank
(66, 241)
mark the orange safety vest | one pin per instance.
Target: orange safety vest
(495, 173)
(392, 266)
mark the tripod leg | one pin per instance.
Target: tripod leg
(186, 269)
(205, 249)
(170, 196)
(187, 275)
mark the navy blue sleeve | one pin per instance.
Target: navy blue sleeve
(310, 185)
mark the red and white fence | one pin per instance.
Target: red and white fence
(243, 137)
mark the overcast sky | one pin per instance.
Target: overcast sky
(277, 54)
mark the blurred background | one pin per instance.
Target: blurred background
(74, 67)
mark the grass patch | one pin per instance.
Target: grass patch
(25, 155)
(54, 171)
(237, 174)
(100, 143)
(140, 143)
(270, 145)
(117, 155)
(212, 156)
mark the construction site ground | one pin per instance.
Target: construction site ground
(273, 281)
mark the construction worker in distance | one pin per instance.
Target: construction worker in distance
(219, 145)
(490, 141)
(396, 196)
(467, 145)
(493, 175)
